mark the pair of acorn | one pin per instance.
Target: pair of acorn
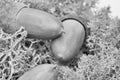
(67, 37)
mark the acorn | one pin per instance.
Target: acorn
(38, 24)
(66, 47)
(41, 72)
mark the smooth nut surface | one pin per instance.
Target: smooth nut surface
(68, 45)
(41, 72)
(39, 24)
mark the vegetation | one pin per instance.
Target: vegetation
(100, 59)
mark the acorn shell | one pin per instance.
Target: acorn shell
(69, 44)
(39, 24)
(41, 72)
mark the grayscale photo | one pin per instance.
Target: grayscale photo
(59, 40)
